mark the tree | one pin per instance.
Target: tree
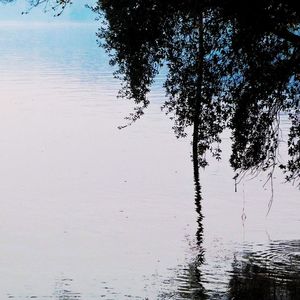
(230, 65)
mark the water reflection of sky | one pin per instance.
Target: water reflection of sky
(89, 211)
(62, 49)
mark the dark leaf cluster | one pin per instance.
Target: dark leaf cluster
(230, 64)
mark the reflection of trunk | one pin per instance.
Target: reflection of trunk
(197, 107)
(198, 198)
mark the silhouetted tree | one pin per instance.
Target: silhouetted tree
(230, 64)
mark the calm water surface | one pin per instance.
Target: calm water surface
(91, 212)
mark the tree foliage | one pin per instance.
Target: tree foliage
(231, 64)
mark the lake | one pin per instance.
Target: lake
(89, 211)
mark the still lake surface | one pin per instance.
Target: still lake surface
(88, 211)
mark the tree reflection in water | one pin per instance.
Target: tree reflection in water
(189, 281)
(269, 272)
(63, 290)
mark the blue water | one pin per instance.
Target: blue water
(91, 212)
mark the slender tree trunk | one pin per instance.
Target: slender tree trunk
(198, 98)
